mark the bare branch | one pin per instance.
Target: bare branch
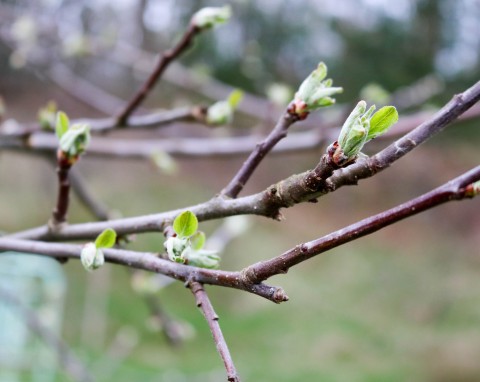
(261, 150)
(59, 214)
(456, 189)
(148, 262)
(203, 302)
(287, 192)
(162, 64)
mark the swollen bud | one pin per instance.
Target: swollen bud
(314, 92)
(178, 248)
(211, 16)
(361, 126)
(91, 257)
(75, 140)
(221, 112)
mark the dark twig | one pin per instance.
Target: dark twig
(68, 360)
(261, 150)
(162, 64)
(148, 262)
(205, 305)
(60, 212)
(250, 278)
(456, 189)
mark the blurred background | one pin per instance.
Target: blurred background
(402, 304)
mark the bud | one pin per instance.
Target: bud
(178, 248)
(75, 140)
(211, 16)
(47, 116)
(314, 92)
(221, 113)
(91, 257)
(473, 189)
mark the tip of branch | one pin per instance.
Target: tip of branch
(280, 296)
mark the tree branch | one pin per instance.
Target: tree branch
(162, 64)
(148, 262)
(203, 302)
(456, 189)
(290, 191)
(261, 150)
(59, 214)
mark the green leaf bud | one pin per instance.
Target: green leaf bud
(314, 92)
(91, 257)
(74, 141)
(211, 16)
(221, 112)
(177, 248)
(204, 259)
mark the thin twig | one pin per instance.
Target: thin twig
(68, 360)
(162, 64)
(59, 214)
(261, 150)
(456, 189)
(250, 278)
(205, 305)
(148, 262)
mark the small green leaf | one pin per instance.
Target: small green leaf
(382, 120)
(198, 240)
(235, 98)
(106, 239)
(62, 124)
(185, 224)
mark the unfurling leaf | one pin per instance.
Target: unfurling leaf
(185, 224)
(62, 124)
(106, 239)
(382, 120)
(75, 140)
(204, 259)
(314, 92)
